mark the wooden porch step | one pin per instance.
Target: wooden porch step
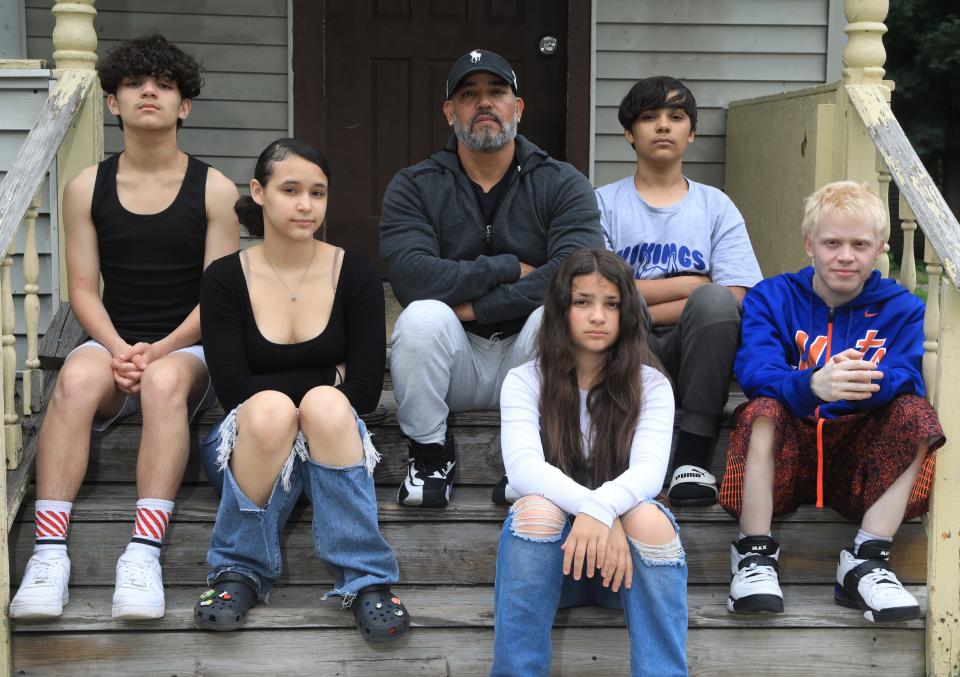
(299, 606)
(477, 433)
(198, 503)
(433, 547)
(462, 652)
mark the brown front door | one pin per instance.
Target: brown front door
(369, 85)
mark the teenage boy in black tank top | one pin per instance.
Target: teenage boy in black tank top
(148, 220)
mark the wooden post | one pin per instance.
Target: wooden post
(31, 307)
(943, 523)
(864, 55)
(11, 421)
(908, 266)
(75, 45)
(931, 323)
(6, 655)
(863, 58)
(883, 190)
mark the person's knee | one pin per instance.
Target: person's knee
(325, 412)
(713, 303)
(653, 535)
(264, 420)
(164, 383)
(537, 519)
(422, 320)
(761, 437)
(82, 382)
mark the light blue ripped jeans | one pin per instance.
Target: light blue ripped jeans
(246, 537)
(530, 587)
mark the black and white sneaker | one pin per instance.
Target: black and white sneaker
(503, 493)
(430, 472)
(754, 576)
(865, 581)
(692, 485)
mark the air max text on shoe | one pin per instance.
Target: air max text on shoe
(754, 581)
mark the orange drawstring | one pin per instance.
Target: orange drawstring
(820, 421)
(820, 462)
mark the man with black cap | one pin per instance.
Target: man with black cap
(470, 238)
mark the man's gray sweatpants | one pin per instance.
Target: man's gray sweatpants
(698, 354)
(437, 367)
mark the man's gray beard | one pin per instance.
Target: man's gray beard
(486, 140)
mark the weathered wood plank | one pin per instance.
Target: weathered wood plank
(576, 651)
(934, 216)
(299, 606)
(943, 527)
(63, 335)
(38, 150)
(463, 553)
(113, 454)
(198, 503)
(19, 480)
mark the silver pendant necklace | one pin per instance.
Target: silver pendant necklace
(292, 292)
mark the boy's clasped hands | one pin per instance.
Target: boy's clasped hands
(846, 376)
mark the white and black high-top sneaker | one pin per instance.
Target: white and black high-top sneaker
(430, 472)
(866, 581)
(754, 576)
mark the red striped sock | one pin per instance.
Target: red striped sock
(52, 519)
(150, 525)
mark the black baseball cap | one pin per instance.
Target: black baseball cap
(480, 60)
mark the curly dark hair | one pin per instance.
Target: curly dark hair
(152, 55)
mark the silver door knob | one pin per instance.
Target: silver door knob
(548, 45)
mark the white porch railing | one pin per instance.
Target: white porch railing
(70, 131)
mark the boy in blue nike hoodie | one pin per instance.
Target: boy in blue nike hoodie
(830, 357)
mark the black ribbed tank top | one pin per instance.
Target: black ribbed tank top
(151, 263)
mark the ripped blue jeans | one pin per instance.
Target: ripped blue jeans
(530, 587)
(246, 536)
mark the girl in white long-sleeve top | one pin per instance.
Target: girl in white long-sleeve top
(586, 432)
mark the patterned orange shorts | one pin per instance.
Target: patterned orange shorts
(864, 453)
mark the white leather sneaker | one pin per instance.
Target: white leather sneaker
(44, 589)
(139, 588)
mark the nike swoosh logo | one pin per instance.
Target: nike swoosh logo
(866, 314)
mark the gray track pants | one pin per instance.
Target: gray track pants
(437, 367)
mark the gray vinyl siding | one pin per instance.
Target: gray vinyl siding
(724, 50)
(23, 94)
(242, 45)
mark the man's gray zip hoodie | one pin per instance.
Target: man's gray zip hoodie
(435, 244)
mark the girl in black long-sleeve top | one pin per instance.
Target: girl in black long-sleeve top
(294, 334)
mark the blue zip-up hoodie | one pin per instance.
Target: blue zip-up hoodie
(787, 331)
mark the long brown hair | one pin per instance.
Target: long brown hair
(614, 400)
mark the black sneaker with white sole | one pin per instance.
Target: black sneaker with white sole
(430, 473)
(754, 579)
